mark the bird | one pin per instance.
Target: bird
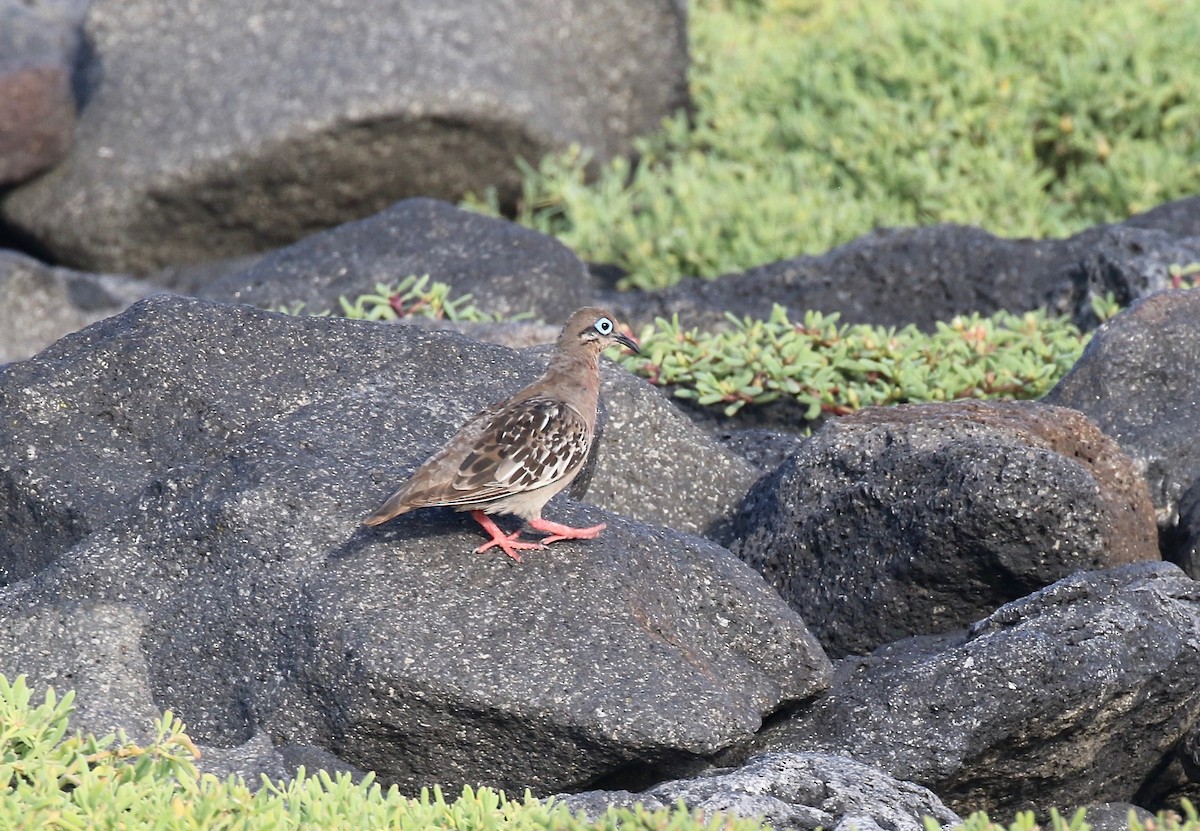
(513, 456)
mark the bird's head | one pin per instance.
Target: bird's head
(594, 330)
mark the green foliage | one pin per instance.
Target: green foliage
(52, 780)
(827, 367)
(412, 296)
(819, 120)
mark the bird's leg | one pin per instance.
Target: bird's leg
(507, 542)
(564, 532)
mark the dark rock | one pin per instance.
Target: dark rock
(39, 304)
(1180, 218)
(209, 466)
(898, 276)
(508, 269)
(892, 277)
(1139, 380)
(194, 278)
(1183, 544)
(1070, 696)
(232, 127)
(91, 646)
(765, 449)
(922, 518)
(1114, 816)
(801, 791)
(1128, 263)
(647, 442)
(39, 44)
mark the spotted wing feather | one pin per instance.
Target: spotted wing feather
(522, 446)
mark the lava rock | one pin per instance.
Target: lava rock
(1071, 696)
(39, 304)
(801, 791)
(1139, 381)
(919, 519)
(508, 269)
(902, 276)
(1127, 263)
(201, 471)
(227, 127)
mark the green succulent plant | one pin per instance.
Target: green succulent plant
(415, 295)
(828, 367)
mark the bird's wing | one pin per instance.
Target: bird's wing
(522, 446)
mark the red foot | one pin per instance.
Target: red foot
(508, 543)
(564, 532)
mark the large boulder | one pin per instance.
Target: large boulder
(1139, 380)
(1075, 695)
(39, 45)
(508, 269)
(901, 276)
(923, 518)
(226, 127)
(198, 473)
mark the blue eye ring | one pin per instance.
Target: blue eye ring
(604, 326)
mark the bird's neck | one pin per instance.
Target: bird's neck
(576, 377)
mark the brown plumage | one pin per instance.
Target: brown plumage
(512, 457)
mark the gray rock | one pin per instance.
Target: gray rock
(211, 468)
(658, 466)
(920, 519)
(801, 791)
(227, 127)
(39, 304)
(891, 277)
(39, 44)
(1070, 696)
(765, 449)
(1180, 218)
(1128, 263)
(898, 276)
(508, 269)
(1139, 380)
(1183, 545)
(91, 646)
(1114, 816)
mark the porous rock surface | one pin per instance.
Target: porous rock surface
(1139, 381)
(898, 276)
(197, 474)
(801, 791)
(39, 304)
(920, 519)
(507, 269)
(1046, 702)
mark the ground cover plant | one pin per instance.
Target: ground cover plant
(817, 121)
(51, 777)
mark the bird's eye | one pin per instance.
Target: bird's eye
(604, 326)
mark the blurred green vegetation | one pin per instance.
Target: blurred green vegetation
(818, 120)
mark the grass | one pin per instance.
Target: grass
(819, 120)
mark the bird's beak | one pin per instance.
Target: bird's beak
(627, 340)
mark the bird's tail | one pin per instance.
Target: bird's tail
(392, 508)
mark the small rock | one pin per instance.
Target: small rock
(801, 791)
